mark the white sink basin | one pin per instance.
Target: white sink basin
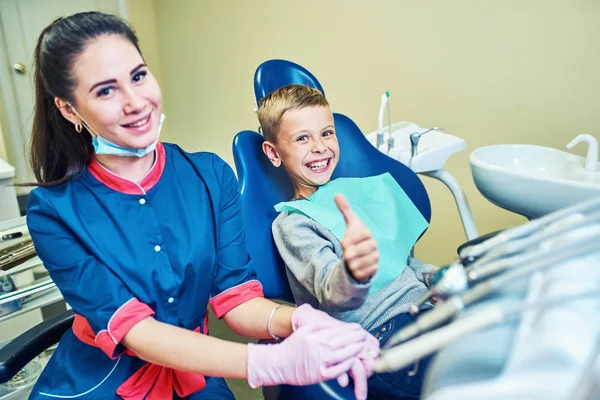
(532, 180)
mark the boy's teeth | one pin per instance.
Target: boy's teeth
(317, 165)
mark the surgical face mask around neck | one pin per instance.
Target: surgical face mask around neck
(103, 146)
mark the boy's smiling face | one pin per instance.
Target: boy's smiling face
(307, 147)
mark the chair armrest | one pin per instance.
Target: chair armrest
(25, 347)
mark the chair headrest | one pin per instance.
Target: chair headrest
(273, 74)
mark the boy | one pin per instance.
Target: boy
(337, 274)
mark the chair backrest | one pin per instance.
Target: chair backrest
(262, 185)
(273, 74)
(359, 158)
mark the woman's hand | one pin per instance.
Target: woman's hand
(360, 249)
(310, 355)
(362, 368)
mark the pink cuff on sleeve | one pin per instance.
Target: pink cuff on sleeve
(125, 318)
(231, 298)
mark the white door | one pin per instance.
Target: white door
(21, 22)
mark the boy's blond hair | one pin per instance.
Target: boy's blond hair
(291, 97)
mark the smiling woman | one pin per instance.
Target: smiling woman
(141, 237)
(126, 108)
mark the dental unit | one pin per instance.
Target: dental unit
(470, 253)
(513, 248)
(393, 359)
(573, 247)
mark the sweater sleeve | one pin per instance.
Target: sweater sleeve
(313, 255)
(422, 271)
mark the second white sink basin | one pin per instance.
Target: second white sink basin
(532, 180)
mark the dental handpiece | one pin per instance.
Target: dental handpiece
(445, 282)
(470, 253)
(408, 353)
(517, 253)
(536, 238)
(456, 278)
(450, 307)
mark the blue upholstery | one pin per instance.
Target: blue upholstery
(262, 186)
(359, 158)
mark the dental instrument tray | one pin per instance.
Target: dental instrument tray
(16, 254)
(434, 148)
(24, 282)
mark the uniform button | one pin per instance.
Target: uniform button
(171, 300)
(157, 248)
(383, 329)
(142, 201)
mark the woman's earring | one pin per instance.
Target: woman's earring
(78, 127)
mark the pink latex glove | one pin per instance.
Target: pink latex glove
(305, 315)
(362, 369)
(307, 356)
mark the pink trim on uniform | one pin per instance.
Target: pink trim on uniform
(125, 318)
(119, 184)
(151, 381)
(205, 331)
(233, 297)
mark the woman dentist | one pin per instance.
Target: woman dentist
(141, 237)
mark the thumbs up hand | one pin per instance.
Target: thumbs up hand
(360, 249)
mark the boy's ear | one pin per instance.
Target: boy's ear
(271, 152)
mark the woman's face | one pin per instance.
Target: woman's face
(115, 93)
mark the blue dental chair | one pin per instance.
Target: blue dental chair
(262, 186)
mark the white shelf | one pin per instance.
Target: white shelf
(29, 264)
(27, 291)
(52, 296)
(6, 394)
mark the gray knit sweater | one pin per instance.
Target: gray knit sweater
(318, 275)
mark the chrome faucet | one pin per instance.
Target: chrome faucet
(414, 141)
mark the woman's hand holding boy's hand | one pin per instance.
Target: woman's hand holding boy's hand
(360, 249)
(306, 316)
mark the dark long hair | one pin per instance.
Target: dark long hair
(58, 152)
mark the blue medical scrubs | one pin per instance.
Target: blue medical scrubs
(120, 251)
